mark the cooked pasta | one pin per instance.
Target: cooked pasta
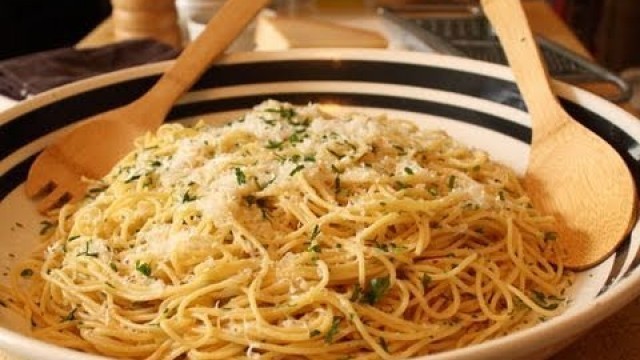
(294, 233)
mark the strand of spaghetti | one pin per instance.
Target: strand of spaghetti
(513, 236)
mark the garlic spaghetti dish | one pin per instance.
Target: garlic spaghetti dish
(293, 233)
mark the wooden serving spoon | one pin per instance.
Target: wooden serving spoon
(572, 173)
(94, 146)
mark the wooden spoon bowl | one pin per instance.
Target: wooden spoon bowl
(572, 174)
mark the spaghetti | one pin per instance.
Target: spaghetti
(293, 233)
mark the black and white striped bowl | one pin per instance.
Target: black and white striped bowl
(475, 102)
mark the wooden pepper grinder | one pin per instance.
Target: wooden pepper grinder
(157, 19)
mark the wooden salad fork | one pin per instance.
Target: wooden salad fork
(93, 147)
(572, 173)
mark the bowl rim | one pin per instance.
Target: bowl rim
(540, 336)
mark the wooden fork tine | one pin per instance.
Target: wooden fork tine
(49, 173)
(58, 196)
(40, 174)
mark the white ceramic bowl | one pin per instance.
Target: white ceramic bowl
(475, 102)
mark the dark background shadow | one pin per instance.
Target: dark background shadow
(27, 26)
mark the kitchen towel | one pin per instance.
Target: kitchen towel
(31, 74)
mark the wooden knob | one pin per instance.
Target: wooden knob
(155, 19)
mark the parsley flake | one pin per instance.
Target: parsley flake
(274, 145)
(328, 337)
(297, 169)
(188, 197)
(315, 248)
(315, 232)
(71, 316)
(378, 287)
(240, 177)
(426, 280)
(26, 273)
(451, 182)
(132, 178)
(143, 268)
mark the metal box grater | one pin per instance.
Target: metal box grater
(472, 36)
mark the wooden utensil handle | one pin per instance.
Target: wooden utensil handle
(198, 55)
(511, 25)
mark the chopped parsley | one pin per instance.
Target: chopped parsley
(315, 232)
(378, 287)
(333, 330)
(132, 178)
(71, 238)
(26, 273)
(297, 169)
(310, 158)
(295, 138)
(285, 113)
(314, 333)
(113, 267)
(143, 268)
(240, 177)
(409, 171)
(188, 197)
(71, 315)
(272, 144)
(451, 182)
(97, 190)
(295, 158)
(315, 248)
(426, 280)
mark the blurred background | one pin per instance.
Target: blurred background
(610, 29)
